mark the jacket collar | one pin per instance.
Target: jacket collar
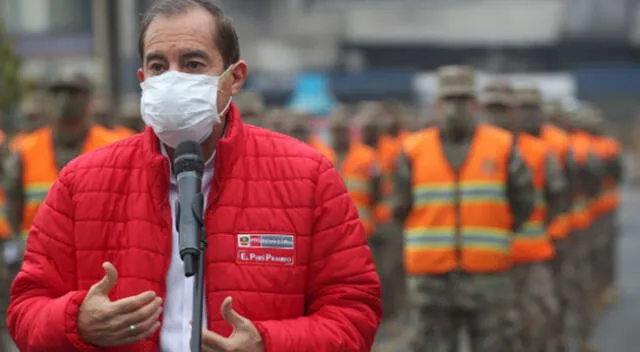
(228, 149)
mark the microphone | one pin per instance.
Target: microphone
(188, 167)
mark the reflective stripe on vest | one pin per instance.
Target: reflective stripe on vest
(356, 174)
(532, 243)
(40, 170)
(460, 220)
(580, 215)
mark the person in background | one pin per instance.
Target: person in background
(585, 175)
(537, 321)
(129, 114)
(358, 167)
(251, 107)
(462, 188)
(610, 151)
(287, 264)
(104, 115)
(32, 168)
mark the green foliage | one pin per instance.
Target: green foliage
(10, 83)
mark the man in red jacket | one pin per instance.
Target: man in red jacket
(102, 270)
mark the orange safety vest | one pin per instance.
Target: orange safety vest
(17, 140)
(5, 229)
(581, 145)
(123, 132)
(40, 170)
(532, 243)
(460, 220)
(607, 149)
(558, 140)
(324, 149)
(389, 149)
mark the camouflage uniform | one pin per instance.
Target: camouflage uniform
(583, 180)
(70, 99)
(446, 303)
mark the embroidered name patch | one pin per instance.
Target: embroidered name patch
(265, 249)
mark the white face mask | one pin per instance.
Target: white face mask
(181, 107)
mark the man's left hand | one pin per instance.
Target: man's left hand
(245, 336)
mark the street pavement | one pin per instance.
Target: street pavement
(617, 329)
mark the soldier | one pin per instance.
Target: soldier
(104, 116)
(129, 114)
(386, 242)
(536, 305)
(389, 148)
(358, 167)
(585, 173)
(251, 106)
(461, 189)
(609, 153)
(33, 167)
(560, 228)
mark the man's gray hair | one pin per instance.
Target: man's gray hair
(224, 32)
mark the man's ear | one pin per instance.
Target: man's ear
(239, 73)
(140, 75)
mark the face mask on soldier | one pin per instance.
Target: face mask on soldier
(68, 107)
(531, 119)
(456, 113)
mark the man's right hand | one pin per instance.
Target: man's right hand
(102, 322)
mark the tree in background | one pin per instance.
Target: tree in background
(10, 83)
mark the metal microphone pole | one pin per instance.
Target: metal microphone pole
(198, 281)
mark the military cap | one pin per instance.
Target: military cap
(72, 80)
(529, 96)
(456, 81)
(250, 103)
(499, 91)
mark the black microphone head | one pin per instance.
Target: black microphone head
(188, 157)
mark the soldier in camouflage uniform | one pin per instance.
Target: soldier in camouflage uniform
(449, 302)
(69, 108)
(251, 107)
(534, 323)
(584, 179)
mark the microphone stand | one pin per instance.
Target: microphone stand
(196, 268)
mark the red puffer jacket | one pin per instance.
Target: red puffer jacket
(112, 205)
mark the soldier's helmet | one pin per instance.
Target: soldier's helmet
(456, 81)
(529, 96)
(71, 80)
(499, 92)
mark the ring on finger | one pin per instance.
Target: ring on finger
(132, 328)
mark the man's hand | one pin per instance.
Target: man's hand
(245, 336)
(102, 322)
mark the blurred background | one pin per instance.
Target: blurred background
(312, 55)
(361, 49)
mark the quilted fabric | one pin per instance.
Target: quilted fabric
(112, 205)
